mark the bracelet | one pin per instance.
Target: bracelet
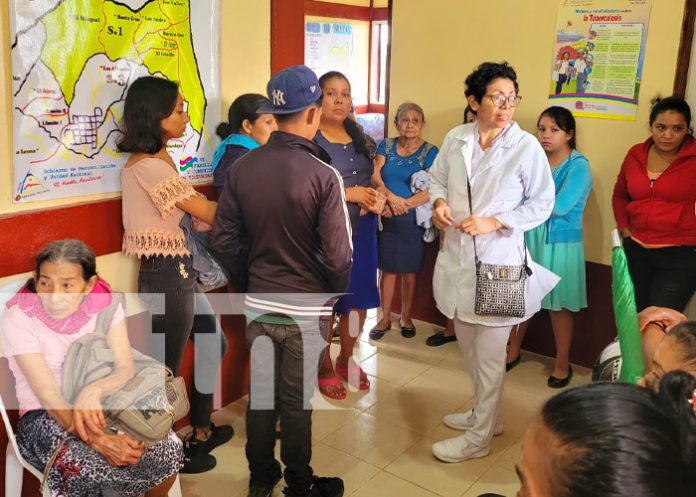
(659, 325)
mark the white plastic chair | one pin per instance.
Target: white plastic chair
(14, 462)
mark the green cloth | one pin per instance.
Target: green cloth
(275, 319)
(626, 317)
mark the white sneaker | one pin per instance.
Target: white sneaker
(464, 421)
(457, 449)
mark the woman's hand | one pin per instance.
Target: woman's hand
(200, 225)
(387, 212)
(442, 216)
(397, 204)
(119, 450)
(475, 225)
(625, 233)
(365, 197)
(663, 315)
(88, 414)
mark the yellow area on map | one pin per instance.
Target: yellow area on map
(157, 36)
(341, 53)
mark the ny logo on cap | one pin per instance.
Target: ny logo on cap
(278, 97)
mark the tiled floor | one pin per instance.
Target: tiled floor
(379, 441)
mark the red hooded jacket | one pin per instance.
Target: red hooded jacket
(662, 212)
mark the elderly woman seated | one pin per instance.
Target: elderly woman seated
(58, 306)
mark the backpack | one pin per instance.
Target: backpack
(147, 406)
(390, 144)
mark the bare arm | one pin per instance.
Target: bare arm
(397, 204)
(88, 415)
(652, 336)
(420, 198)
(378, 163)
(653, 322)
(44, 386)
(199, 207)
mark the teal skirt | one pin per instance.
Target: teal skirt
(567, 260)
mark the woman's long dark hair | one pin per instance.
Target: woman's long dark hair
(564, 119)
(674, 103)
(244, 107)
(363, 143)
(148, 101)
(620, 440)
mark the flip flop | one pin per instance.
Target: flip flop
(343, 373)
(332, 381)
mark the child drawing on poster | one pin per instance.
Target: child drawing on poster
(569, 75)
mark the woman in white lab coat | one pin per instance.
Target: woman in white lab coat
(511, 191)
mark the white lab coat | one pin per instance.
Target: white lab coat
(513, 183)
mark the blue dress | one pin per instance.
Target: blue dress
(400, 243)
(356, 170)
(566, 259)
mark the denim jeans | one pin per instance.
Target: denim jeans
(664, 277)
(187, 313)
(284, 365)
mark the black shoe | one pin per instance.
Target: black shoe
(560, 382)
(377, 334)
(196, 457)
(515, 362)
(218, 436)
(321, 487)
(407, 331)
(439, 338)
(264, 489)
(260, 490)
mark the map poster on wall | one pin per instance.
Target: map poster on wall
(328, 46)
(598, 55)
(72, 64)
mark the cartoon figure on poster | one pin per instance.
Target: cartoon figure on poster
(572, 65)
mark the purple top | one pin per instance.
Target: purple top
(355, 169)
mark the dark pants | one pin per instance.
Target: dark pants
(664, 277)
(187, 313)
(284, 365)
(562, 78)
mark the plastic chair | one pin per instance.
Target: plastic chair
(14, 462)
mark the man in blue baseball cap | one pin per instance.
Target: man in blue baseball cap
(283, 232)
(292, 90)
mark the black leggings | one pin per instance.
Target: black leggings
(187, 313)
(664, 277)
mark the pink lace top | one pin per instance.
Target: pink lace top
(151, 189)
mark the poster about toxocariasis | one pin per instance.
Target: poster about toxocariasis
(598, 55)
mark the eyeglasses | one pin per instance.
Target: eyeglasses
(499, 100)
